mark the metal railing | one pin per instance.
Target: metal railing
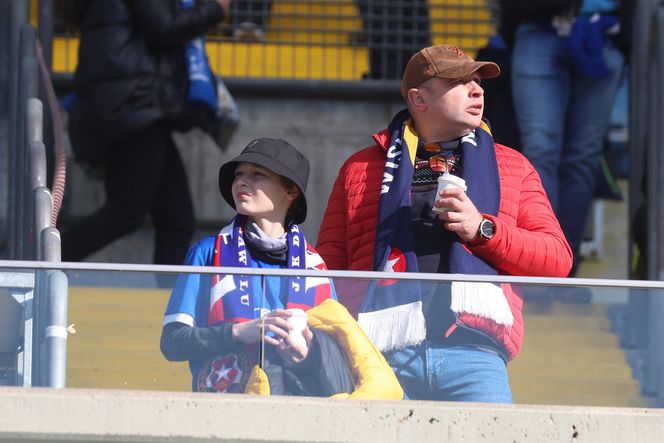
(38, 356)
(647, 160)
(132, 301)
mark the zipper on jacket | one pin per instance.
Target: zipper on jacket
(452, 328)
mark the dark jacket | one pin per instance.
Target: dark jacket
(513, 12)
(132, 71)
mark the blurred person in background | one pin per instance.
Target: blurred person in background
(249, 20)
(566, 71)
(130, 92)
(393, 31)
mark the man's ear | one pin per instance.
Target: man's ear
(415, 98)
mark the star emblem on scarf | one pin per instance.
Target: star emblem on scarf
(224, 373)
(396, 262)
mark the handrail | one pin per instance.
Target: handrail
(362, 275)
(32, 234)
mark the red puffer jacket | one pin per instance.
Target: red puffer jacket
(528, 239)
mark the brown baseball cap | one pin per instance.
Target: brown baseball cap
(444, 61)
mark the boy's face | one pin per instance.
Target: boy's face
(260, 193)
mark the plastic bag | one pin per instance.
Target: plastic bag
(227, 116)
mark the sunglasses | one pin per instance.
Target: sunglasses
(437, 163)
(431, 147)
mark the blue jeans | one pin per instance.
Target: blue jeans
(431, 371)
(563, 118)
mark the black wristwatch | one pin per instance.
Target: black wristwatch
(487, 229)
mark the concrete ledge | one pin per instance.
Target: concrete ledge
(47, 415)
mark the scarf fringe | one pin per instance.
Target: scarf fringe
(482, 299)
(394, 328)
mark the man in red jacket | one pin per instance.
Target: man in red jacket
(385, 213)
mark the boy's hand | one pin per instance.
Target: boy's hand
(252, 331)
(294, 352)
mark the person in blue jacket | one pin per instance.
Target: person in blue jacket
(217, 322)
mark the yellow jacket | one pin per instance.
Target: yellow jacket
(372, 376)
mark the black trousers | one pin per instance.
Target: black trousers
(144, 175)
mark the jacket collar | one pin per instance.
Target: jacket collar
(382, 139)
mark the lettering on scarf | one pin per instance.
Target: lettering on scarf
(470, 138)
(244, 286)
(392, 163)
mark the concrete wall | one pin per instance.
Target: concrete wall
(44, 415)
(326, 130)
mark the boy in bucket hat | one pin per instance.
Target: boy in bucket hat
(219, 322)
(385, 213)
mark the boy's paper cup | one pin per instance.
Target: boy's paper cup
(447, 181)
(298, 321)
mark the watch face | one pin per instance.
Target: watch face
(487, 228)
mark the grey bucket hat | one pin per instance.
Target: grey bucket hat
(278, 156)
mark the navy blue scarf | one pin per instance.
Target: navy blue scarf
(391, 313)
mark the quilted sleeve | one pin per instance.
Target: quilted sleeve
(372, 375)
(331, 243)
(528, 239)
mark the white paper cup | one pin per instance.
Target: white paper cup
(298, 321)
(447, 181)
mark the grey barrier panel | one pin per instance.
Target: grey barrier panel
(34, 123)
(37, 181)
(37, 156)
(55, 331)
(653, 158)
(51, 245)
(50, 316)
(656, 212)
(20, 286)
(18, 12)
(24, 362)
(636, 332)
(652, 163)
(11, 313)
(45, 14)
(43, 202)
(5, 7)
(28, 88)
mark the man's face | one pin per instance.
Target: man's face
(454, 106)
